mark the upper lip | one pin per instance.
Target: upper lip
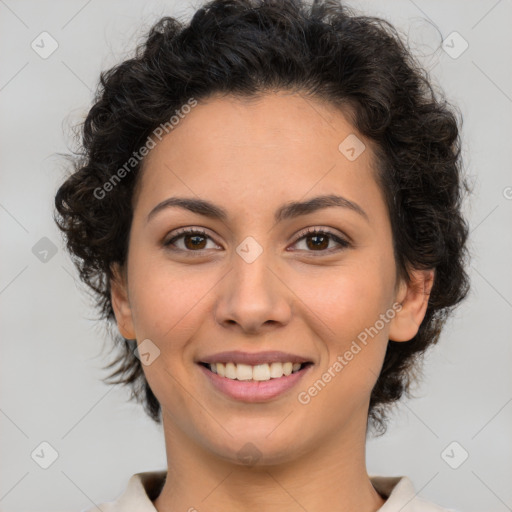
(253, 358)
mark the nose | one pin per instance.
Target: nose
(253, 297)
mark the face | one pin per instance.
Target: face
(260, 279)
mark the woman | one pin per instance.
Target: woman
(268, 205)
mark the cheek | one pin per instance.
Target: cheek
(347, 299)
(353, 341)
(167, 305)
(166, 299)
(345, 304)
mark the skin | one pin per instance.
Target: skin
(251, 157)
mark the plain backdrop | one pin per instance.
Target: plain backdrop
(52, 350)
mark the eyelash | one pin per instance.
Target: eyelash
(305, 234)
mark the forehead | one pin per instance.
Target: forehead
(278, 123)
(274, 148)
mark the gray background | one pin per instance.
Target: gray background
(52, 350)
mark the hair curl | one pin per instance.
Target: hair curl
(246, 48)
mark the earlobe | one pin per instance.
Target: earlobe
(121, 303)
(413, 298)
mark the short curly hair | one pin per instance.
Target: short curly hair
(246, 48)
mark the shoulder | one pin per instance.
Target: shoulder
(140, 491)
(401, 496)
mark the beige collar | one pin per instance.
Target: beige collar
(143, 488)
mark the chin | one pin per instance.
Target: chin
(252, 449)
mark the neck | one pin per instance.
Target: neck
(332, 477)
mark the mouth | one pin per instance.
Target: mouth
(254, 383)
(256, 373)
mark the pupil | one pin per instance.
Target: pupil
(319, 245)
(195, 243)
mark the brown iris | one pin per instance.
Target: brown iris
(322, 245)
(196, 244)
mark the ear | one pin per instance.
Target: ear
(413, 297)
(121, 303)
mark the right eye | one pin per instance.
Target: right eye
(193, 239)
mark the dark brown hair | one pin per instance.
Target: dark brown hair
(245, 48)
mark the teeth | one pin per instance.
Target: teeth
(260, 372)
(230, 371)
(243, 371)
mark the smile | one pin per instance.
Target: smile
(258, 383)
(259, 372)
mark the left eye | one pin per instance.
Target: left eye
(315, 240)
(318, 240)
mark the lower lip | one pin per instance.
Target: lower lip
(251, 390)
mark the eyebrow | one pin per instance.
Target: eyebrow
(287, 211)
